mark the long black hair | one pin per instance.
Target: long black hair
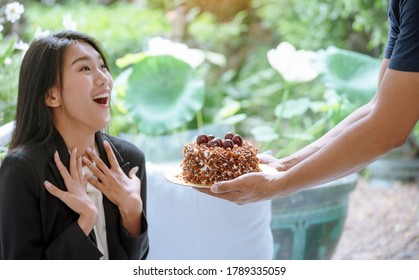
(41, 69)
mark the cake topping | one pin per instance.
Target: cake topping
(202, 139)
(210, 159)
(237, 139)
(229, 135)
(210, 140)
(227, 143)
(216, 142)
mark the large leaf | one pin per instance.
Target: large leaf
(293, 108)
(163, 93)
(352, 74)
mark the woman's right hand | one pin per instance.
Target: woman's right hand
(76, 195)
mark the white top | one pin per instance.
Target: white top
(100, 227)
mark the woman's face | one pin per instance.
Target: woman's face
(86, 90)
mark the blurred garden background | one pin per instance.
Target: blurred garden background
(279, 72)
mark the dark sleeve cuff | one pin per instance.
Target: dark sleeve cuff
(73, 244)
(137, 246)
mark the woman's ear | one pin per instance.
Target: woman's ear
(53, 97)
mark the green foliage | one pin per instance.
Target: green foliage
(366, 14)
(258, 91)
(246, 91)
(10, 60)
(217, 35)
(303, 112)
(9, 69)
(163, 93)
(351, 24)
(352, 75)
(6, 49)
(121, 28)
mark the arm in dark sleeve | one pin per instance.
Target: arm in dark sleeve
(20, 220)
(24, 233)
(393, 33)
(72, 244)
(137, 246)
(403, 46)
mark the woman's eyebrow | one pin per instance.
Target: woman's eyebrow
(85, 57)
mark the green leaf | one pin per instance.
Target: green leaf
(235, 119)
(230, 109)
(264, 133)
(293, 108)
(129, 59)
(352, 74)
(163, 93)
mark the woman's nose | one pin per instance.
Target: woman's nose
(102, 78)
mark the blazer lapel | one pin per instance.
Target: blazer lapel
(58, 145)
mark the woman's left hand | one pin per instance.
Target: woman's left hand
(122, 190)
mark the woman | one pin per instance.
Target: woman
(67, 190)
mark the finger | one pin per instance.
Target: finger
(133, 172)
(63, 170)
(96, 183)
(93, 167)
(222, 187)
(226, 196)
(265, 158)
(73, 164)
(271, 161)
(86, 179)
(54, 190)
(80, 167)
(206, 191)
(111, 155)
(100, 165)
(88, 162)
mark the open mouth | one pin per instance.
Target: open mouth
(101, 98)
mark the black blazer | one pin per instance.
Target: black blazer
(36, 225)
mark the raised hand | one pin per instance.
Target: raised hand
(76, 195)
(122, 190)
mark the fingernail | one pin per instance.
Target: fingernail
(47, 184)
(214, 188)
(88, 149)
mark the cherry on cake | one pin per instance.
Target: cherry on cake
(210, 159)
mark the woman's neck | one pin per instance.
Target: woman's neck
(77, 138)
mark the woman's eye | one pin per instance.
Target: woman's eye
(85, 68)
(103, 66)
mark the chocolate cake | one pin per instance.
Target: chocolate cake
(210, 159)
